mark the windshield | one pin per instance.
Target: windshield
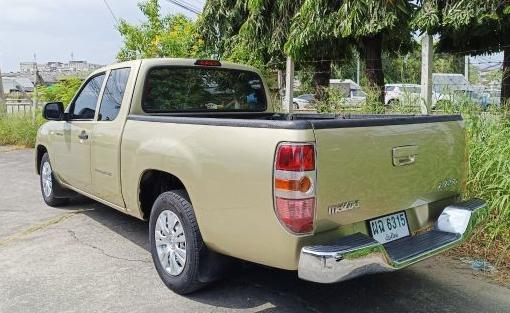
(200, 89)
(358, 93)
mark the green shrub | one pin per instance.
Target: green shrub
(19, 130)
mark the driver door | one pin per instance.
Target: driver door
(73, 156)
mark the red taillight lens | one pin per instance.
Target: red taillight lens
(295, 158)
(296, 214)
(207, 63)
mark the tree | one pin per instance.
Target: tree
(63, 91)
(474, 27)
(159, 36)
(372, 25)
(257, 32)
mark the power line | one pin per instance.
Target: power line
(111, 12)
(185, 6)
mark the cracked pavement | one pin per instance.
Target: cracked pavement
(86, 257)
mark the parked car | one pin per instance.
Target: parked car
(193, 147)
(354, 95)
(304, 101)
(402, 93)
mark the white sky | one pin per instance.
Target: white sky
(52, 29)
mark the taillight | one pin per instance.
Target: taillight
(295, 157)
(294, 186)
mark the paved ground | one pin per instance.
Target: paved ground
(89, 258)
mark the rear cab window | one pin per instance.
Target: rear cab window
(171, 89)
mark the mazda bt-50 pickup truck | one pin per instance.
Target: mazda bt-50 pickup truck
(194, 147)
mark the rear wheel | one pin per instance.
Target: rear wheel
(176, 243)
(50, 187)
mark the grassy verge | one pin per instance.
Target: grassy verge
(488, 143)
(19, 130)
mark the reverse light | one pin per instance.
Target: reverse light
(294, 186)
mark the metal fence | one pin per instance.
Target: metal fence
(19, 106)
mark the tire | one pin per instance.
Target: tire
(296, 106)
(50, 188)
(392, 103)
(181, 277)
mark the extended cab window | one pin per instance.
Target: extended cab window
(200, 89)
(113, 94)
(84, 106)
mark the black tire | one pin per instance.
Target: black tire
(393, 102)
(188, 280)
(52, 198)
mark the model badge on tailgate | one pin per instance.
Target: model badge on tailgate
(344, 206)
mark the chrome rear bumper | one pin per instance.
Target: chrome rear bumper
(359, 254)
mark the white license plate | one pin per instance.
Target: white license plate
(390, 227)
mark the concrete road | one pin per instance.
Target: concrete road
(89, 258)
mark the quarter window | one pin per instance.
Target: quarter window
(84, 107)
(113, 94)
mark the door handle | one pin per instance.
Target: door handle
(83, 135)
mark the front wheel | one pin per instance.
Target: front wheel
(49, 185)
(175, 242)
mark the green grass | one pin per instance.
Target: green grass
(19, 130)
(488, 143)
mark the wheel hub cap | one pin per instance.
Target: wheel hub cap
(170, 242)
(47, 183)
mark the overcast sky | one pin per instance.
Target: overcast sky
(53, 29)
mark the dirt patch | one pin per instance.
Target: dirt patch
(10, 148)
(484, 249)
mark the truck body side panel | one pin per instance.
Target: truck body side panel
(227, 172)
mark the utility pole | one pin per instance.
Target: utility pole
(3, 108)
(288, 103)
(426, 73)
(34, 96)
(466, 67)
(357, 68)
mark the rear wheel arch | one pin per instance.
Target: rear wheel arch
(154, 182)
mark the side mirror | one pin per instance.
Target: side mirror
(53, 111)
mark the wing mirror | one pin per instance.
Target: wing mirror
(53, 111)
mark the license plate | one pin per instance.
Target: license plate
(389, 227)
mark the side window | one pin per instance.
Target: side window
(84, 107)
(113, 94)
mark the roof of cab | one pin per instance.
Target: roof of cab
(169, 62)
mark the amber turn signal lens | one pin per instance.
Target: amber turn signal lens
(303, 185)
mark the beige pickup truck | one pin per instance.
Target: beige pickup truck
(194, 147)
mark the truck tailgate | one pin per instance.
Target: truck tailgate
(370, 171)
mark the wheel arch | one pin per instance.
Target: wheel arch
(39, 152)
(153, 182)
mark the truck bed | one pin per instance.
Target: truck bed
(293, 120)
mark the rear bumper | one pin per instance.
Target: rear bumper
(359, 254)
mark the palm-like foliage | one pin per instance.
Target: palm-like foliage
(369, 25)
